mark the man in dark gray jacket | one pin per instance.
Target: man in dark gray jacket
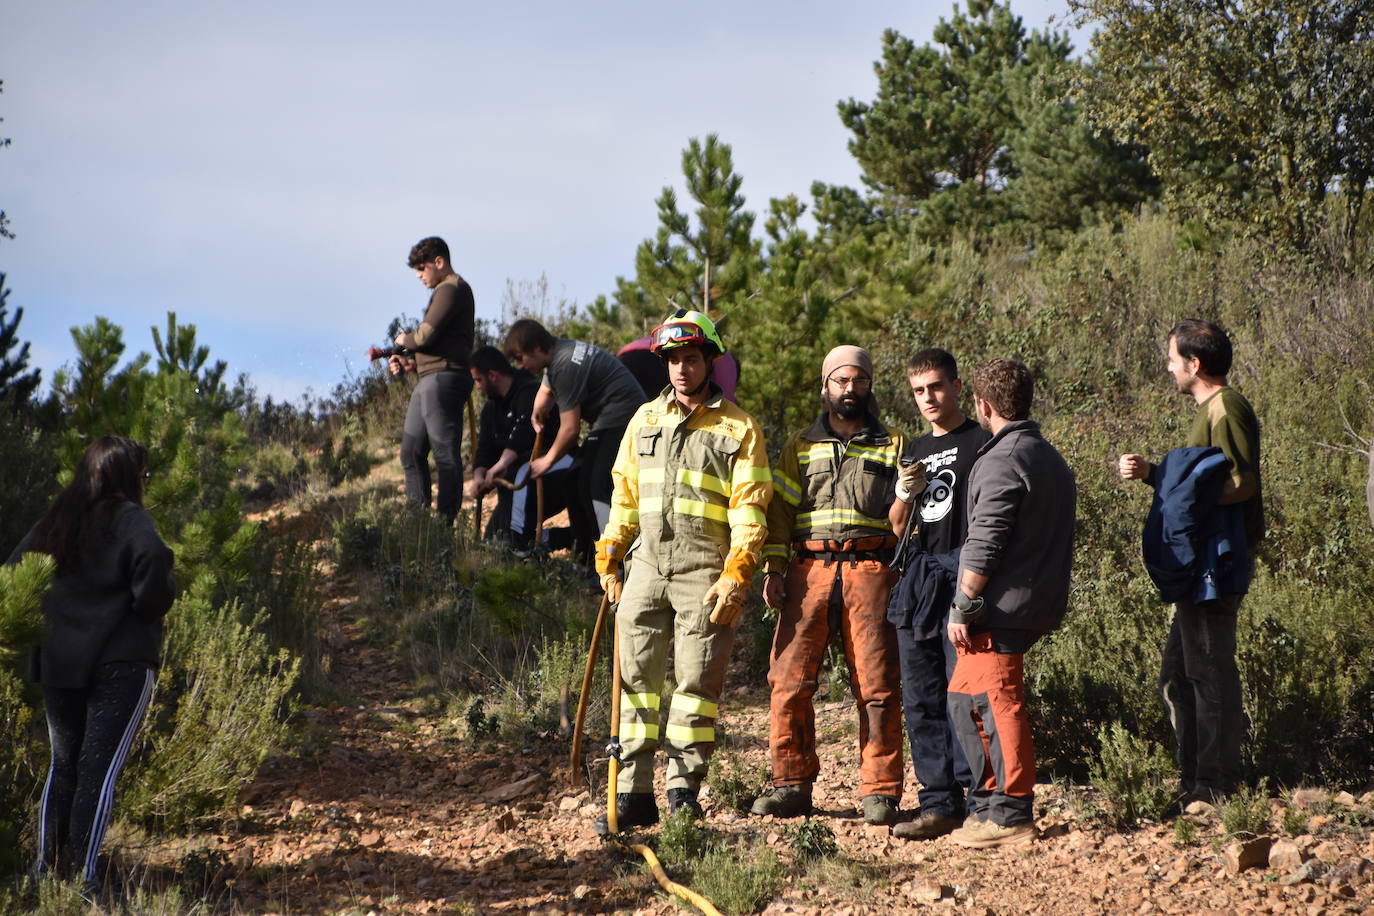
(1013, 588)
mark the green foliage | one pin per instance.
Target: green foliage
(1294, 821)
(740, 880)
(1247, 811)
(684, 262)
(22, 587)
(26, 454)
(1254, 111)
(19, 776)
(16, 384)
(812, 839)
(1135, 776)
(230, 695)
(682, 841)
(1185, 832)
(733, 783)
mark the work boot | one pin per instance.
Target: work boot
(879, 809)
(784, 801)
(987, 834)
(632, 809)
(927, 825)
(684, 798)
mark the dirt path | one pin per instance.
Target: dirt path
(395, 811)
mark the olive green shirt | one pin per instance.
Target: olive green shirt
(1226, 420)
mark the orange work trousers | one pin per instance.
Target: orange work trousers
(987, 708)
(822, 598)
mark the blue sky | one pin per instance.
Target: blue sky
(263, 168)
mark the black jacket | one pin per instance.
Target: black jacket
(109, 608)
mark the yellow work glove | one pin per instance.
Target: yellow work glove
(611, 585)
(728, 597)
(911, 481)
(608, 555)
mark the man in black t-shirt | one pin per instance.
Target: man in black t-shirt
(505, 440)
(920, 603)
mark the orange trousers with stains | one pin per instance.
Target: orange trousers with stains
(848, 597)
(987, 707)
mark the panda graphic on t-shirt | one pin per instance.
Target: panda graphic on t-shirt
(938, 497)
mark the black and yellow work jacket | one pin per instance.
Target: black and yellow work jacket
(694, 487)
(830, 489)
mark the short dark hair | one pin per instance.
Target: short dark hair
(489, 359)
(931, 359)
(527, 335)
(1206, 342)
(1007, 385)
(426, 250)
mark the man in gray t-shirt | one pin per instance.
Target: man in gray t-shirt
(585, 383)
(583, 375)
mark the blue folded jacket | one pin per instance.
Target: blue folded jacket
(1195, 550)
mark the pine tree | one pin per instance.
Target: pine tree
(16, 385)
(687, 258)
(936, 140)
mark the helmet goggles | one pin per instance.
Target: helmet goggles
(676, 334)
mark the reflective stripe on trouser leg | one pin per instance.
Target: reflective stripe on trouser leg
(105, 806)
(643, 620)
(701, 653)
(870, 648)
(799, 642)
(987, 707)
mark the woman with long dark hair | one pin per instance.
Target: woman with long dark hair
(101, 647)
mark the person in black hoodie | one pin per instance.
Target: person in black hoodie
(101, 646)
(505, 445)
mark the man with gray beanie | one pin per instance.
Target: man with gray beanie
(826, 572)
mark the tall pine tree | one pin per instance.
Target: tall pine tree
(16, 384)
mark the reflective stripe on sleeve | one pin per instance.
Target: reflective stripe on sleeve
(747, 515)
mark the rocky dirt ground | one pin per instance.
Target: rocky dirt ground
(394, 810)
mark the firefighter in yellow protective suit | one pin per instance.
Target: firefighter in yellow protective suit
(692, 481)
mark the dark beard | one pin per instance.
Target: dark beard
(849, 406)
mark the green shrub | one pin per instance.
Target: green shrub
(1295, 821)
(735, 784)
(812, 839)
(1247, 811)
(21, 622)
(682, 841)
(1185, 832)
(226, 701)
(1134, 775)
(738, 880)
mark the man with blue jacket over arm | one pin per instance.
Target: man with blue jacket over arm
(1198, 678)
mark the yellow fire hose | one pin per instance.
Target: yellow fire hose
(613, 828)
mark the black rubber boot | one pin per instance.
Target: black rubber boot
(632, 809)
(684, 798)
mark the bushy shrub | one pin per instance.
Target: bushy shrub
(1134, 775)
(812, 839)
(21, 622)
(682, 841)
(738, 880)
(1247, 811)
(734, 784)
(227, 701)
